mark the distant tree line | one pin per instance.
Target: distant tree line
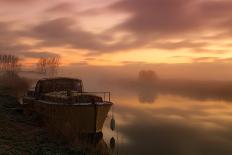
(10, 64)
(13, 84)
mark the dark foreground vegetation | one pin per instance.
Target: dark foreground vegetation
(22, 135)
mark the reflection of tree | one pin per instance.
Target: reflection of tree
(147, 96)
(147, 86)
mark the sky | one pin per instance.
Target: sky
(122, 33)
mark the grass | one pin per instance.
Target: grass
(21, 134)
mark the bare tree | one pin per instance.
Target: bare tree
(42, 65)
(53, 66)
(9, 64)
(48, 66)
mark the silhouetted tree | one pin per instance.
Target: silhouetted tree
(147, 77)
(48, 66)
(9, 64)
(42, 65)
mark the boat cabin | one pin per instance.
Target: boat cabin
(66, 91)
(58, 84)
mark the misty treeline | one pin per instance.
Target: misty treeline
(148, 85)
(10, 81)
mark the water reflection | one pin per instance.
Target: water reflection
(188, 117)
(147, 95)
(174, 125)
(92, 144)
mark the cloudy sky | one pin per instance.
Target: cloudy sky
(118, 32)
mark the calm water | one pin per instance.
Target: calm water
(162, 124)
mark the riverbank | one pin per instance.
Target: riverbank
(22, 135)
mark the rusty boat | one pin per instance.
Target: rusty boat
(66, 108)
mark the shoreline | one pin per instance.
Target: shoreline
(22, 135)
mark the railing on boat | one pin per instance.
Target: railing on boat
(105, 95)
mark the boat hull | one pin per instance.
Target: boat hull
(70, 119)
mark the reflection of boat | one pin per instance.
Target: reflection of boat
(65, 108)
(92, 145)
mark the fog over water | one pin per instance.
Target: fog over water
(168, 116)
(165, 115)
(174, 123)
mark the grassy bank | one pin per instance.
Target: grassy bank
(22, 135)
